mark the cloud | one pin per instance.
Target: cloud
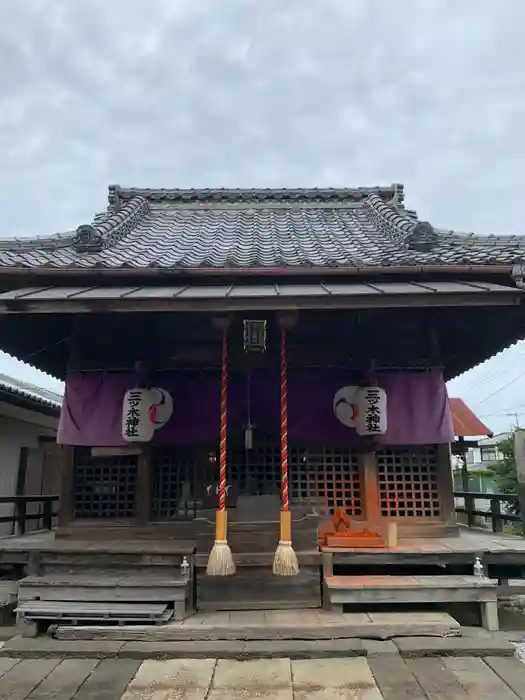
(248, 93)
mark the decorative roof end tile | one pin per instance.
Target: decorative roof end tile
(422, 238)
(87, 239)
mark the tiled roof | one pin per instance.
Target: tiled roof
(30, 392)
(259, 228)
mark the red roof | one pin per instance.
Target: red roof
(466, 424)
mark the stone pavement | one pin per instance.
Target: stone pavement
(381, 677)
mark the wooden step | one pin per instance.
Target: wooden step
(256, 588)
(32, 612)
(47, 609)
(103, 588)
(274, 625)
(406, 590)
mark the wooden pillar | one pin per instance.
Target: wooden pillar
(445, 485)
(66, 508)
(143, 487)
(469, 500)
(370, 487)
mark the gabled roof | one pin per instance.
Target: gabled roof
(302, 228)
(466, 423)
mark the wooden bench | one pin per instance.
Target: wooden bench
(123, 599)
(403, 590)
(30, 613)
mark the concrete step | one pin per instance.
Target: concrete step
(44, 647)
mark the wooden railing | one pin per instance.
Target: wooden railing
(496, 514)
(20, 517)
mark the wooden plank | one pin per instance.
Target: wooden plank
(291, 626)
(64, 681)
(410, 595)
(511, 671)
(440, 581)
(109, 680)
(24, 677)
(478, 679)
(247, 617)
(395, 680)
(86, 609)
(147, 594)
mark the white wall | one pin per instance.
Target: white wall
(20, 428)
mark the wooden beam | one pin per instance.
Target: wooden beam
(66, 510)
(370, 487)
(284, 303)
(143, 487)
(446, 485)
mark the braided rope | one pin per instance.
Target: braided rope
(284, 424)
(224, 421)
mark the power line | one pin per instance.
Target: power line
(495, 393)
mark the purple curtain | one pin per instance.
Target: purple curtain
(417, 406)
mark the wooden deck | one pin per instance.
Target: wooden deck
(495, 549)
(470, 540)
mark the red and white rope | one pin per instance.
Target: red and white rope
(224, 421)
(284, 425)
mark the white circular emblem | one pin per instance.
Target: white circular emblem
(345, 407)
(162, 405)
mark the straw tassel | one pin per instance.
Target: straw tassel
(285, 559)
(220, 561)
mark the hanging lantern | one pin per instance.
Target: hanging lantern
(255, 336)
(143, 412)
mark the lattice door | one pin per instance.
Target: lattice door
(328, 477)
(172, 483)
(257, 471)
(408, 482)
(104, 487)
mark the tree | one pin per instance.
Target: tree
(504, 471)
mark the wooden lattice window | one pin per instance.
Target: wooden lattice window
(328, 477)
(408, 482)
(104, 487)
(172, 483)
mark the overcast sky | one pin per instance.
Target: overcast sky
(203, 93)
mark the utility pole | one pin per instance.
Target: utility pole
(519, 460)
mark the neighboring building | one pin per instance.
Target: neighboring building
(479, 454)
(29, 457)
(486, 452)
